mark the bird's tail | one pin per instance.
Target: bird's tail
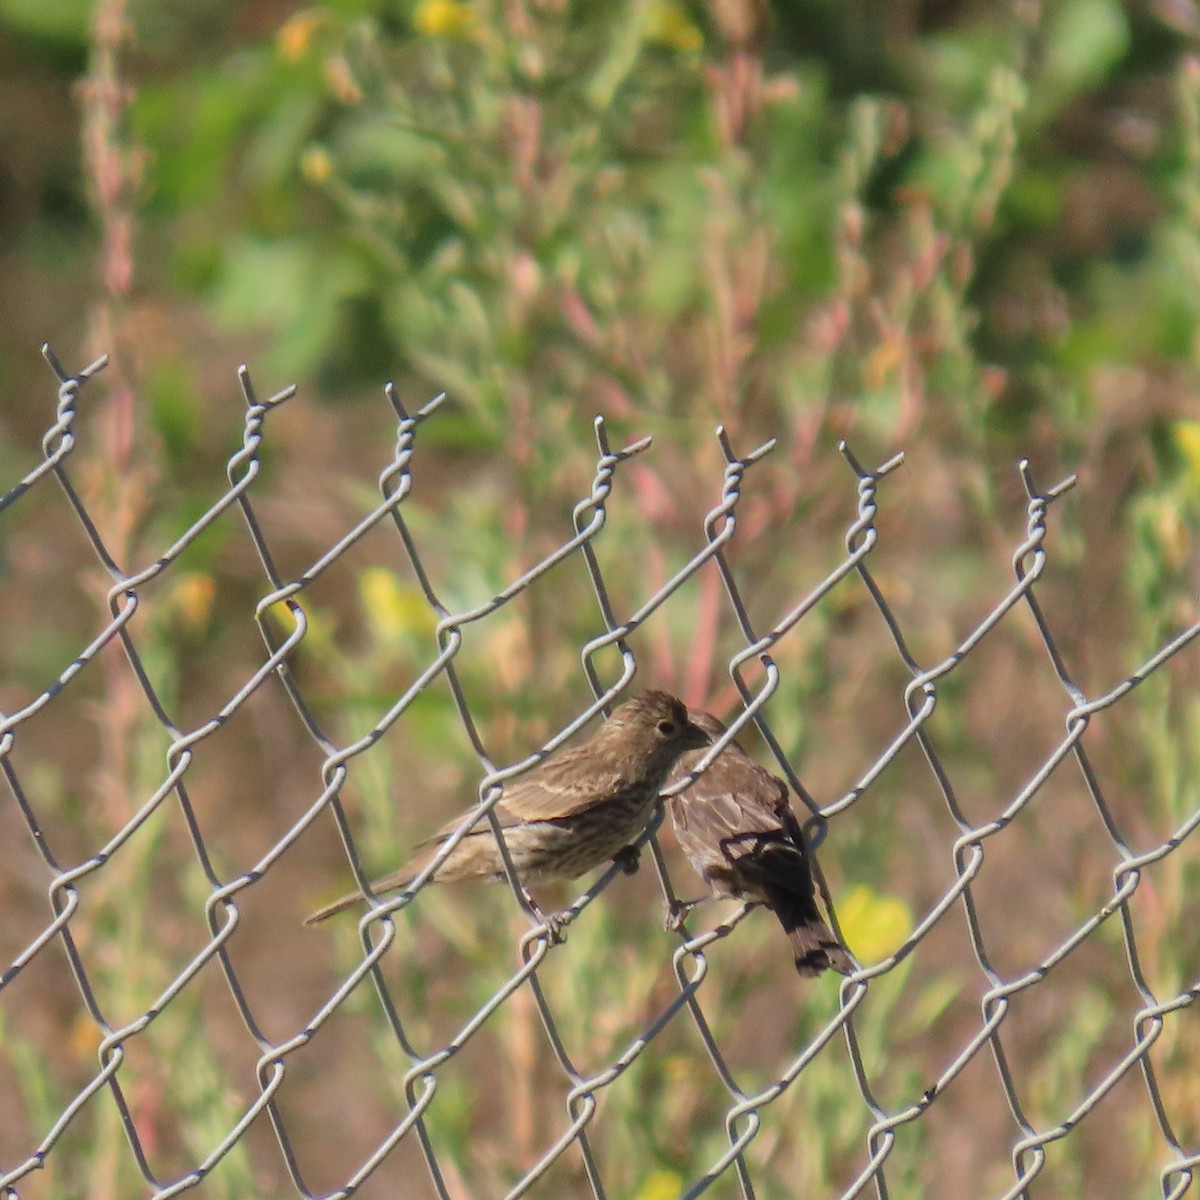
(814, 947)
(346, 901)
(389, 883)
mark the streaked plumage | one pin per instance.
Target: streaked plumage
(571, 813)
(738, 829)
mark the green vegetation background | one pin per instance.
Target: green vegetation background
(969, 231)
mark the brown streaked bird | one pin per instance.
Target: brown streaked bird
(569, 814)
(738, 829)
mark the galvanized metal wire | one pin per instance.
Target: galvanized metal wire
(756, 676)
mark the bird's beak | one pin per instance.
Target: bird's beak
(696, 737)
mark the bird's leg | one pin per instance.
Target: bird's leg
(627, 859)
(677, 911)
(555, 922)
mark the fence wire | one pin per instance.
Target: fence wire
(756, 676)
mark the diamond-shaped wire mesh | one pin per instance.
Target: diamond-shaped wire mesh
(418, 1022)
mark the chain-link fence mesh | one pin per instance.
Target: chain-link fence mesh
(396, 1081)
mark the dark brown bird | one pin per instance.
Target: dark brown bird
(738, 829)
(571, 813)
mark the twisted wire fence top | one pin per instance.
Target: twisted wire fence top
(269, 1050)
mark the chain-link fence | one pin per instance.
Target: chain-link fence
(416, 1089)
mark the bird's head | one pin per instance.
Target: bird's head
(706, 723)
(654, 727)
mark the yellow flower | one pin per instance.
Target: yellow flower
(393, 610)
(1187, 439)
(660, 1185)
(315, 164)
(443, 18)
(1170, 529)
(83, 1036)
(874, 926)
(296, 33)
(193, 598)
(883, 362)
(669, 26)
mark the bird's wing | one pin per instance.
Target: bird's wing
(544, 794)
(788, 821)
(704, 823)
(743, 796)
(567, 785)
(740, 816)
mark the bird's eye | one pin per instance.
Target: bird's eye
(666, 728)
